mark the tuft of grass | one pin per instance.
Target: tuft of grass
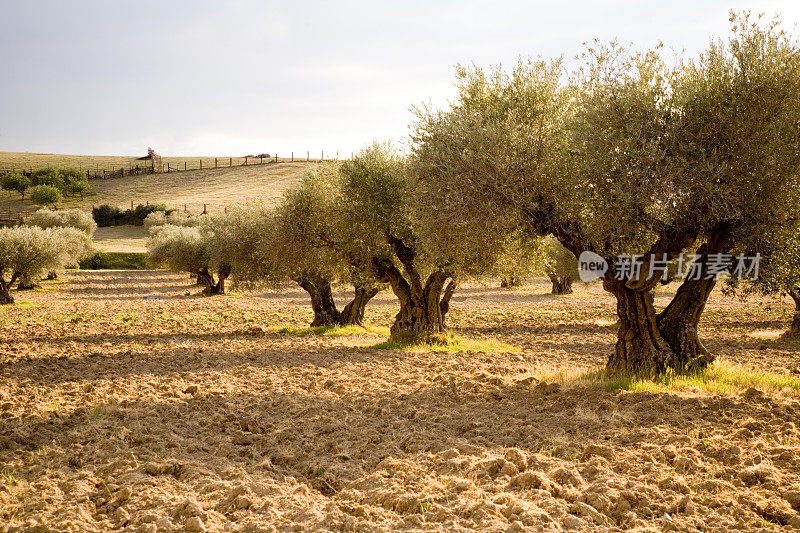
(331, 331)
(448, 343)
(9, 476)
(719, 378)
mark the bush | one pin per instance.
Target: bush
(46, 195)
(70, 218)
(107, 215)
(15, 183)
(114, 261)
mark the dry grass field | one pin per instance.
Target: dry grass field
(129, 402)
(215, 187)
(212, 189)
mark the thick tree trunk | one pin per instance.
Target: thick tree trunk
(353, 312)
(205, 279)
(27, 283)
(678, 322)
(561, 284)
(640, 348)
(51, 275)
(422, 313)
(5, 292)
(219, 286)
(509, 282)
(794, 329)
(319, 288)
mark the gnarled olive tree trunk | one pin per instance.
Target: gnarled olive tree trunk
(319, 289)
(423, 306)
(353, 312)
(218, 287)
(561, 284)
(794, 329)
(679, 321)
(640, 347)
(5, 291)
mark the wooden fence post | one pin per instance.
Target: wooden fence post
(204, 209)
(276, 157)
(260, 160)
(215, 162)
(245, 160)
(201, 164)
(292, 157)
(322, 155)
(230, 163)
(307, 157)
(337, 155)
(184, 165)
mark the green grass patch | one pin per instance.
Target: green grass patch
(719, 378)
(448, 343)
(115, 261)
(331, 331)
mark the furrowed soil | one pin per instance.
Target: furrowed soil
(129, 402)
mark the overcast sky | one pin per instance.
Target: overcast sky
(238, 77)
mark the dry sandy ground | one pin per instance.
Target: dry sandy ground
(127, 404)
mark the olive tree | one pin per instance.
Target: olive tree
(187, 249)
(74, 182)
(16, 183)
(311, 247)
(46, 218)
(46, 195)
(174, 218)
(390, 231)
(29, 251)
(628, 156)
(560, 265)
(64, 218)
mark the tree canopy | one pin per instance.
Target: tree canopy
(628, 155)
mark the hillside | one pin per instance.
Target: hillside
(214, 187)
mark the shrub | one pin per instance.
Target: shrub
(70, 218)
(15, 183)
(107, 215)
(46, 195)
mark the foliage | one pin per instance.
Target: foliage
(171, 217)
(187, 249)
(178, 248)
(15, 183)
(29, 251)
(629, 154)
(73, 218)
(107, 215)
(46, 195)
(75, 182)
(47, 176)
